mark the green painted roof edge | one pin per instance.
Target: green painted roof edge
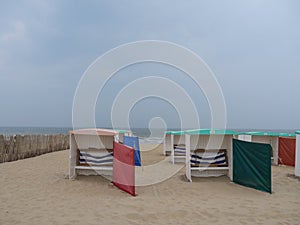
(175, 132)
(179, 132)
(230, 132)
(123, 131)
(203, 132)
(211, 132)
(272, 134)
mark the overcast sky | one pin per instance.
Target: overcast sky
(252, 47)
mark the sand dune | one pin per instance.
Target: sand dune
(37, 191)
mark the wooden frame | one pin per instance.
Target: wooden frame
(89, 140)
(193, 145)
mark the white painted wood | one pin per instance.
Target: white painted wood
(121, 138)
(96, 168)
(245, 137)
(230, 158)
(172, 149)
(188, 157)
(167, 144)
(72, 157)
(209, 168)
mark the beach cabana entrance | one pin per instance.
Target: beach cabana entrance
(208, 153)
(91, 152)
(252, 165)
(94, 152)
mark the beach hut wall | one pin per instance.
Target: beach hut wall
(91, 152)
(210, 146)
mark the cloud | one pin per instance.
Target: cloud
(19, 30)
(253, 49)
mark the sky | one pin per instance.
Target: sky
(252, 47)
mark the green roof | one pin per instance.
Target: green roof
(180, 132)
(175, 132)
(273, 134)
(202, 132)
(230, 132)
(123, 131)
(210, 132)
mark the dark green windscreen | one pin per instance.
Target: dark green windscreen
(252, 165)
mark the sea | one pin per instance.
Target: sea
(145, 135)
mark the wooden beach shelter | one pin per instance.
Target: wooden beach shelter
(297, 163)
(91, 152)
(208, 153)
(281, 143)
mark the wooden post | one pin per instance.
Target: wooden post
(72, 157)
(2, 148)
(187, 157)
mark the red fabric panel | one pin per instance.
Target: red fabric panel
(123, 168)
(286, 151)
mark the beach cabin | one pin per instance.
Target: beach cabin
(297, 163)
(273, 138)
(208, 153)
(91, 152)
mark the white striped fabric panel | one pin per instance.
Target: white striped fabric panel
(96, 159)
(179, 149)
(206, 158)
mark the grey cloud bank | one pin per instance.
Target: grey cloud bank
(252, 47)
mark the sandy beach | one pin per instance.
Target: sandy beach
(38, 191)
